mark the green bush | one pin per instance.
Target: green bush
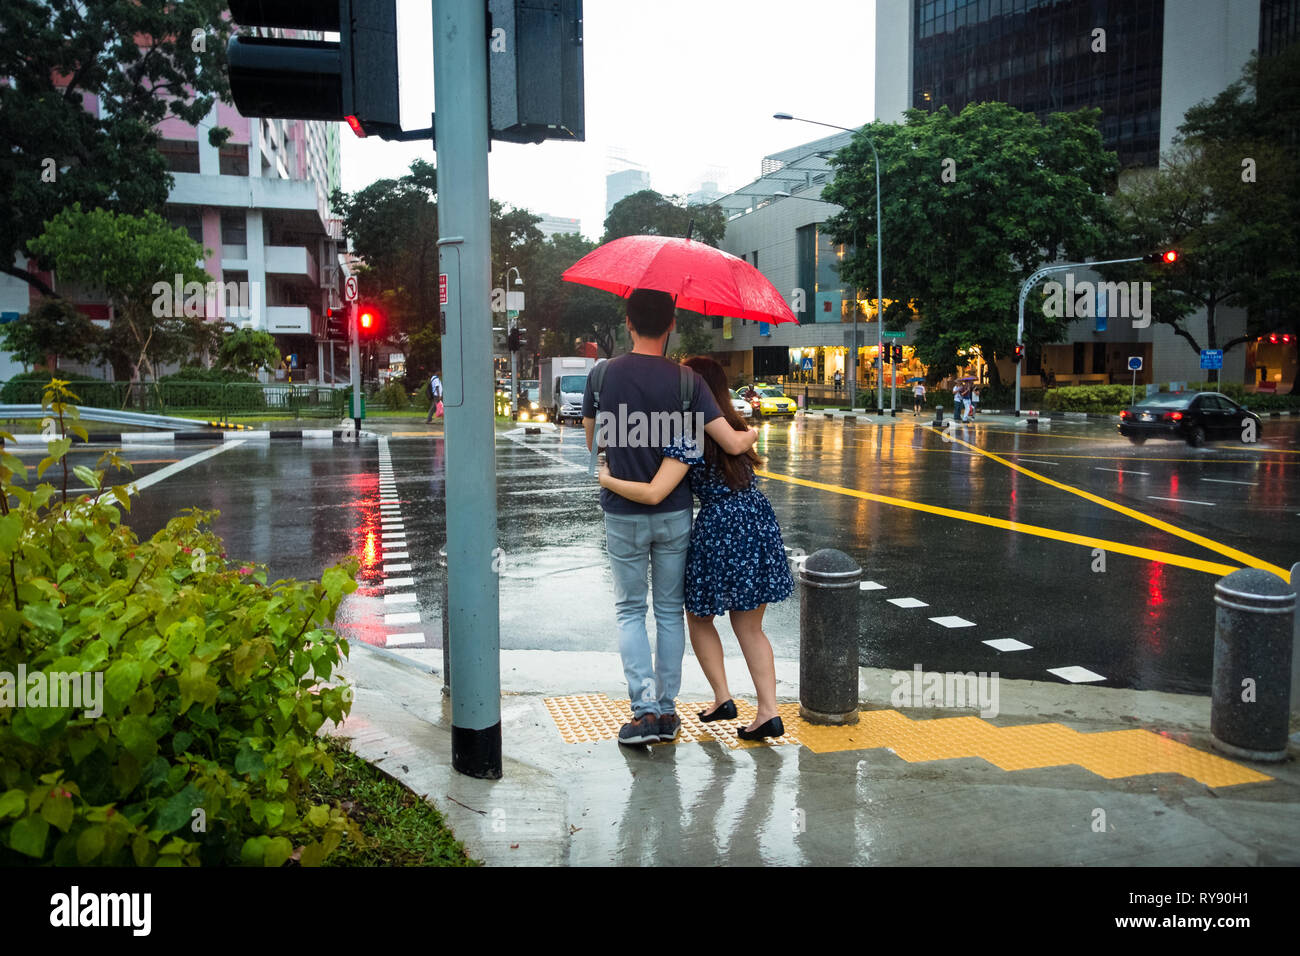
(1098, 399)
(1268, 402)
(28, 388)
(392, 396)
(212, 685)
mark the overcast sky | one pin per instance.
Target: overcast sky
(685, 88)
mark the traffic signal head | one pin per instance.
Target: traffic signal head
(352, 79)
(898, 354)
(336, 328)
(535, 70)
(1168, 257)
(1018, 354)
(369, 322)
(513, 340)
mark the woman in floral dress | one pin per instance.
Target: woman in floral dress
(736, 564)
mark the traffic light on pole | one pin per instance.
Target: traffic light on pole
(353, 79)
(514, 340)
(369, 323)
(898, 354)
(336, 326)
(1018, 354)
(1168, 257)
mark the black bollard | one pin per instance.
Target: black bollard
(938, 416)
(828, 638)
(1251, 687)
(446, 626)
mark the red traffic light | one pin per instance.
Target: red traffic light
(1170, 256)
(356, 125)
(1018, 354)
(367, 320)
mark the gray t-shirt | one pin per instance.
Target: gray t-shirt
(640, 402)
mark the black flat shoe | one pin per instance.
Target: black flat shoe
(724, 711)
(773, 728)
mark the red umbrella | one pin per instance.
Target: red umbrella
(701, 278)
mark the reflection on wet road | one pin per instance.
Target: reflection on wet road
(1061, 555)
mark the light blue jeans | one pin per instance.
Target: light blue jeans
(658, 541)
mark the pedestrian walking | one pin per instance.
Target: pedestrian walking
(966, 403)
(736, 563)
(957, 404)
(918, 398)
(640, 536)
(435, 397)
(839, 381)
(974, 402)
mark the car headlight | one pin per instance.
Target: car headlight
(532, 405)
(523, 416)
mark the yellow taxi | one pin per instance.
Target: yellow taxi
(767, 400)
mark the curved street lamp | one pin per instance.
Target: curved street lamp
(880, 290)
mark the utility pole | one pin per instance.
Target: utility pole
(354, 356)
(460, 69)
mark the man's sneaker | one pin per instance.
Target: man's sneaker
(670, 726)
(642, 730)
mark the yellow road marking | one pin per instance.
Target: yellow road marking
(586, 718)
(1147, 554)
(1209, 543)
(995, 431)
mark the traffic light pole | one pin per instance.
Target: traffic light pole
(1033, 281)
(354, 358)
(460, 69)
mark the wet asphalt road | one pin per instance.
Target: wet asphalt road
(1141, 623)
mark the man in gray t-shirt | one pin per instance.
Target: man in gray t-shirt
(640, 392)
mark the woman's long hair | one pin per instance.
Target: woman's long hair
(737, 470)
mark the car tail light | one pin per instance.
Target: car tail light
(1173, 416)
(1124, 413)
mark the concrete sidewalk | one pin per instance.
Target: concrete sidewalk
(903, 787)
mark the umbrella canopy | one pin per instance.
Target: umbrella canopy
(700, 278)
(966, 378)
(916, 378)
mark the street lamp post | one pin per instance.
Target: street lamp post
(880, 290)
(1033, 281)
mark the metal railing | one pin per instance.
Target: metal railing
(212, 400)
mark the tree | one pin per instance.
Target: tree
(87, 83)
(972, 205)
(1251, 133)
(392, 225)
(247, 350)
(652, 214)
(137, 262)
(52, 327)
(567, 311)
(1224, 230)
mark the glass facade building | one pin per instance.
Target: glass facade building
(1045, 56)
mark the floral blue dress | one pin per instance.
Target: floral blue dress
(736, 560)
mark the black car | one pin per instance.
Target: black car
(1192, 417)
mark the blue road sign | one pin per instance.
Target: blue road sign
(8, 317)
(807, 364)
(1135, 363)
(1211, 358)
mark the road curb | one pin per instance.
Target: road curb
(167, 438)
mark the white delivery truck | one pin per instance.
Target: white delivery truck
(563, 382)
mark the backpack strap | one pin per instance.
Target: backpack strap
(595, 378)
(686, 384)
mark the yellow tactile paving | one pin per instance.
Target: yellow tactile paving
(587, 718)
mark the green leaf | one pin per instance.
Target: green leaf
(57, 811)
(13, 803)
(318, 816)
(11, 529)
(277, 852)
(43, 616)
(27, 836)
(87, 475)
(122, 678)
(178, 811)
(90, 844)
